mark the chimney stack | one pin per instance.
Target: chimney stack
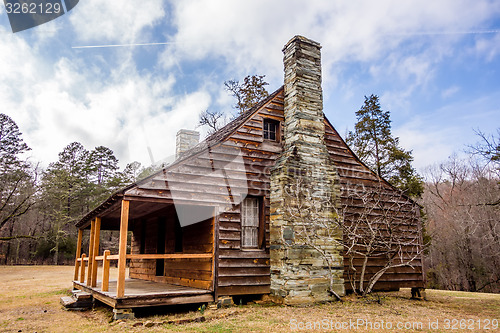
(304, 176)
(185, 140)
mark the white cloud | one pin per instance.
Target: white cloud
(59, 100)
(249, 35)
(115, 21)
(429, 143)
(449, 92)
(55, 104)
(488, 47)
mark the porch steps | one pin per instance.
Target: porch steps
(79, 301)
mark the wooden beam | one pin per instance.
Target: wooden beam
(215, 260)
(82, 271)
(122, 250)
(78, 253)
(105, 271)
(158, 256)
(91, 253)
(171, 256)
(97, 235)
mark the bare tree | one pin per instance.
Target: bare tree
(384, 226)
(213, 119)
(378, 228)
(464, 224)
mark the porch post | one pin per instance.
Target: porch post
(105, 271)
(91, 252)
(78, 253)
(97, 234)
(122, 251)
(82, 272)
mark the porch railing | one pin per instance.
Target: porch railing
(82, 262)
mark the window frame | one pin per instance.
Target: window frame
(257, 240)
(277, 129)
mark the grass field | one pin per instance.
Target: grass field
(29, 302)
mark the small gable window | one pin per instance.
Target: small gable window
(271, 129)
(250, 222)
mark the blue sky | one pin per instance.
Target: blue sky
(434, 64)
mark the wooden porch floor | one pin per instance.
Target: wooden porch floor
(141, 293)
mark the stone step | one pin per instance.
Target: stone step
(70, 303)
(80, 300)
(81, 295)
(67, 301)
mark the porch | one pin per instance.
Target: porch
(142, 293)
(167, 264)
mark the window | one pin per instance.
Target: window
(250, 223)
(271, 129)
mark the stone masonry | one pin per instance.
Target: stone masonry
(185, 140)
(299, 272)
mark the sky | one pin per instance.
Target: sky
(129, 74)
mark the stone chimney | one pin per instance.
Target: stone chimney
(185, 140)
(304, 189)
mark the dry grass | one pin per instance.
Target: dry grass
(29, 302)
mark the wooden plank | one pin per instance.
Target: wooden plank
(244, 271)
(105, 272)
(237, 254)
(215, 261)
(248, 262)
(97, 235)
(122, 250)
(78, 254)
(91, 253)
(244, 290)
(226, 281)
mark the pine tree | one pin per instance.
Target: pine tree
(17, 184)
(374, 144)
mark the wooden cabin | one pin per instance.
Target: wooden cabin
(201, 227)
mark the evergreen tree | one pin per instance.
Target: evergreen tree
(17, 180)
(11, 145)
(103, 164)
(374, 144)
(66, 194)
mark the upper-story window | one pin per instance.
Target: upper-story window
(271, 129)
